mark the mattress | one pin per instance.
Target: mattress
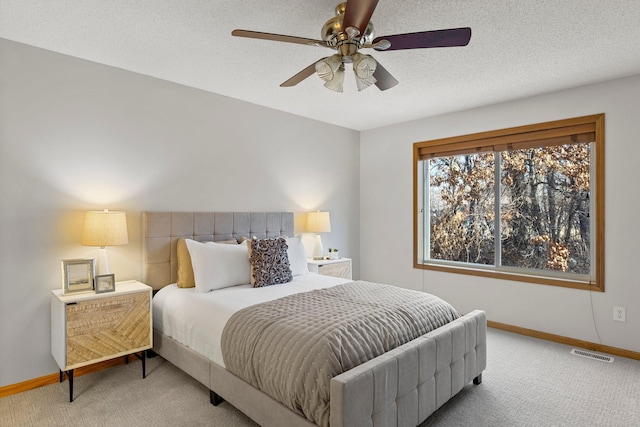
(197, 320)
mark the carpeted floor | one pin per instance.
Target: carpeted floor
(528, 382)
(531, 382)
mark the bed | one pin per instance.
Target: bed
(400, 387)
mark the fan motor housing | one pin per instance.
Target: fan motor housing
(333, 31)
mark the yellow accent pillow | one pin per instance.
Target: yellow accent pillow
(185, 270)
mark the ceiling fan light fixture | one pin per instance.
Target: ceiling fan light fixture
(363, 65)
(328, 67)
(362, 84)
(337, 82)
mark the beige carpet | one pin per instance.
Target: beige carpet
(528, 382)
(120, 397)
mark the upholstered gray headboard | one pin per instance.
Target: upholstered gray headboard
(161, 231)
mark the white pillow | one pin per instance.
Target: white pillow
(297, 256)
(219, 265)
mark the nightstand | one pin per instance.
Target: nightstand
(331, 267)
(87, 328)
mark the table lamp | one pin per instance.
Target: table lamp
(318, 222)
(105, 228)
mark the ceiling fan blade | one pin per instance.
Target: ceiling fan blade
(384, 79)
(427, 39)
(358, 14)
(278, 37)
(311, 69)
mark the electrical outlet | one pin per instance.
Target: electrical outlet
(619, 314)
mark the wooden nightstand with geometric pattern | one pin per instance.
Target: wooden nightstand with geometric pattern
(87, 328)
(340, 267)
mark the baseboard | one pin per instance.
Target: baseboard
(54, 378)
(565, 340)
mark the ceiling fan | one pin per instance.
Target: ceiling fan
(348, 32)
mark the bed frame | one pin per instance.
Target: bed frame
(399, 388)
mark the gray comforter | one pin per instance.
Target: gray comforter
(290, 348)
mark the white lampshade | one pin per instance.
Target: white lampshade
(105, 228)
(318, 222)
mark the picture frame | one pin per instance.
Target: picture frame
(105, 283)
(78, 275)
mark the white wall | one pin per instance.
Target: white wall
(386, 207)
(76, 135)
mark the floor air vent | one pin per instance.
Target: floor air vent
(595, 356)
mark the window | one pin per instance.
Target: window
(523, 203)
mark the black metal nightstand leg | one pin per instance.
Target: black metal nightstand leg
(143, 357)
(70, 377)
(144, 364)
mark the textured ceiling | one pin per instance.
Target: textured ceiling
(518, 48)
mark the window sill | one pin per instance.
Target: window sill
(527, 278)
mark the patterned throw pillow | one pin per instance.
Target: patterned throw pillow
(269, 262)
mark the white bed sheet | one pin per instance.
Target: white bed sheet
(196, 320)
